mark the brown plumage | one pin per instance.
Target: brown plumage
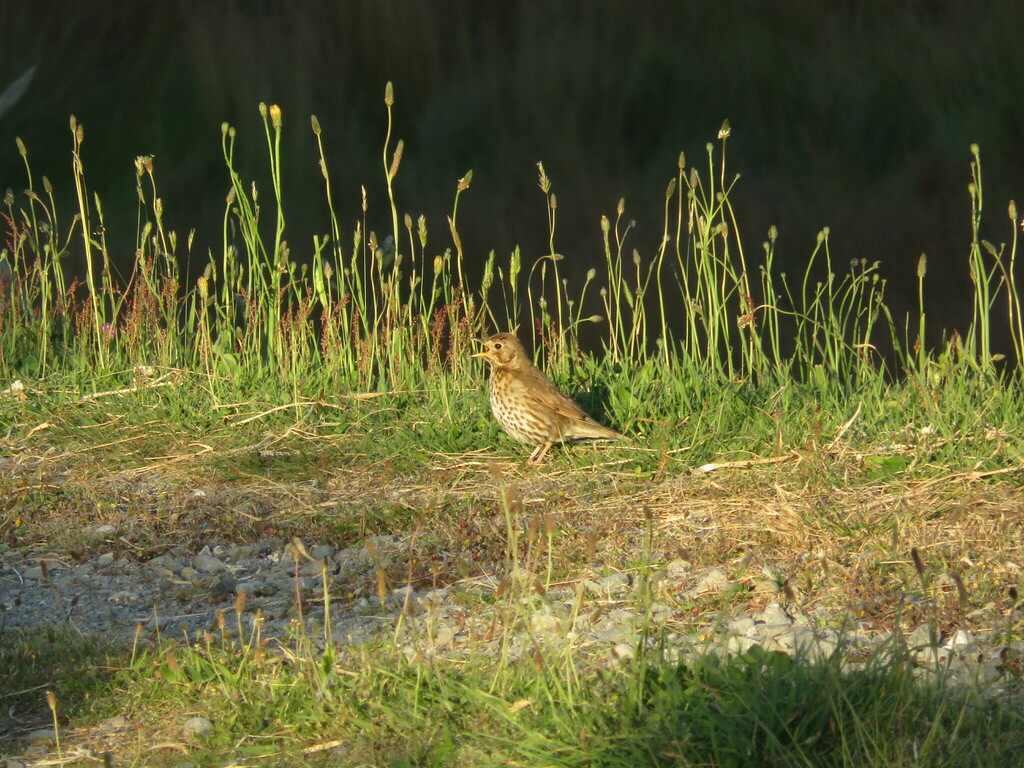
(528, 406)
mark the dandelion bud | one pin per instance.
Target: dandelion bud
(605, 224)
(21, 146)
(682, 160)
(275, 115)
(47, 186)
(591, 274)
(465, 181)
(223, 129)
(671, 189)
(594, 319)
(315, 123)
(389, 94)
(1012, 210)
(725, 130)
(263, 110)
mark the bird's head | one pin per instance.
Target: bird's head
(502, 350)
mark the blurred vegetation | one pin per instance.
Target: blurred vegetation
(855, 115)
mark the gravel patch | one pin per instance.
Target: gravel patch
(266, 587)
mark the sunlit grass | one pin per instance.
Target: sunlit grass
(698, 323)
(255, 362)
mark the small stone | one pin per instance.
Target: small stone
(615, 583)
(545, 623)
(206, 563)
(223, 584)
(436, 597)
(624, 652)
(774, 620)
(104, 560)
(315, 568)
(767, 586)
(988, 672)
(444, 636)
(712, 581)
(115, 723)
(196, 727)
(41, 737)
(739, 644)
(930, 655)
(677, 568)
(401, 594)
(923, 636)
(241, 552)
(960, 639)
(322, 552)
(103, 531)
(166, 563)
(741, 626)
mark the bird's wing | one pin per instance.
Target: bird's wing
(539, 390)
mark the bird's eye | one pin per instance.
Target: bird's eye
(498, 345)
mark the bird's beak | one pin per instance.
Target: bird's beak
(480, 354)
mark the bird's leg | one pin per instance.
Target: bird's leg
(539, 453)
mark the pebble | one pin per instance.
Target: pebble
(44, 737)
(196, 727)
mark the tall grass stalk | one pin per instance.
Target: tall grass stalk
(397, 315)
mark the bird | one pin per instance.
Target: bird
(528, 406)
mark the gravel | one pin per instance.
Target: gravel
(240, 588)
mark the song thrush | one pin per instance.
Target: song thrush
(528, 406)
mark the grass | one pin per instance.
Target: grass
(332, 398)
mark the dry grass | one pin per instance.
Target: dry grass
(948, 549)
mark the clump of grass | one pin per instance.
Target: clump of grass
(376, 705)
(46, 670)
(696, 322)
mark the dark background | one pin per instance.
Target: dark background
(851, 114)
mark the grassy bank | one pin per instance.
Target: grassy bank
(307, 375)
